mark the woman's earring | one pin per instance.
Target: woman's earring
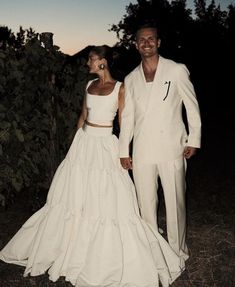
(101, 66)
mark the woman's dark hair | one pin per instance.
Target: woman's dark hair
(105, 52)
(113, 58)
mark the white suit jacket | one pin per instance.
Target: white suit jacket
(154, 118)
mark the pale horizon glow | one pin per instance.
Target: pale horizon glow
(75, 24)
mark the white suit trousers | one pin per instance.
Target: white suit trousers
(172, 176)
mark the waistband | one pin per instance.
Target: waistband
(97, 131)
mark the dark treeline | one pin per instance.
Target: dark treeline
(205, 42)
(41, 89)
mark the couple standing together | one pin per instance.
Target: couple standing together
(91, 229)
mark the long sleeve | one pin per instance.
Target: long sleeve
(188, 95)
(127, 122)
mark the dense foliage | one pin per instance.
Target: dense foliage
(203, 39)
(41, 94)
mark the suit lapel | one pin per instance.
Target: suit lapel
(155, 85)
(141, 91)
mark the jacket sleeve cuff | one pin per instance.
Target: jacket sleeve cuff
(123, 149)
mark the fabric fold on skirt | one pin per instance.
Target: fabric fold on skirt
(90, 230)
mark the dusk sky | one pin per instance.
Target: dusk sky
(74, 23)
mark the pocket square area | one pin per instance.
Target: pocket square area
(168, 87)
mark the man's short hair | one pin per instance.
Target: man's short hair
(148, 24)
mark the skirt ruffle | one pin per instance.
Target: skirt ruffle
(90, 230)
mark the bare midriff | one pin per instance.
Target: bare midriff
(98, 126)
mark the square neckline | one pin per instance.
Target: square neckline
(101, 96)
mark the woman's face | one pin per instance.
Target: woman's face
(93, 62)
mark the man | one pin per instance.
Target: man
(155, 93)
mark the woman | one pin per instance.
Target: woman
(90, 230)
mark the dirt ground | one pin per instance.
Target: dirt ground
(210, 215)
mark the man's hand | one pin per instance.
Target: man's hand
(189, 151)
(126, 162)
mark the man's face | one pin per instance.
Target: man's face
(147, 42)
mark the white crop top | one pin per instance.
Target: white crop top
(102, 109)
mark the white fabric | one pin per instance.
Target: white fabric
(172, 176)
(155, 119)
(102, 109)
(149, 86)
(90, 230)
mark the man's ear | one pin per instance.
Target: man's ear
(136, 46)
(158, 43)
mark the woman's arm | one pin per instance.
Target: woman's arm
(83, 115)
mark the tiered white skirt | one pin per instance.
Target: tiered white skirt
(90, 230)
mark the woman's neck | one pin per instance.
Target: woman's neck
(105, 77)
